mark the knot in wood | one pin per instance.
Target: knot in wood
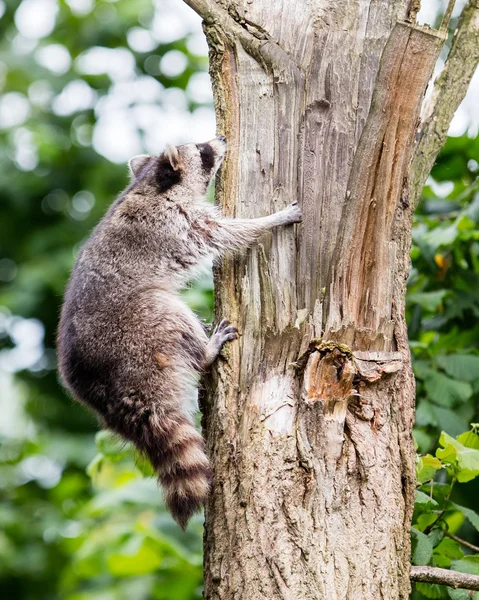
(328, 378)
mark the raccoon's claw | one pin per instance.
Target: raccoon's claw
(225, 332)
(293, 212)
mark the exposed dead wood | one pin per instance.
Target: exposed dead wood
(363, 265)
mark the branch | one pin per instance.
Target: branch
(463, 542)
(449, 90)
(445, 577)
(254, 39)
(447, 16)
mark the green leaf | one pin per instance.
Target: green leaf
(436, 535)
(454, 520)
(441, 491)
(423, 439)
(460, 366)
(134, 560)
(425, 414)
(94, 468)
(458, 594)
(464, 223)
(441, 236)
(468, 564)
(470, 439)
(430, 590)
(450, 420)
(470, 515)
(421, 548)
(144, 465)
(446, 551)
(464, 460)
(424, 501)
(447, 454)
(143, 492)
(425, 520)
(429, 301)
(426, 468)
(422, 368)
(446, 391)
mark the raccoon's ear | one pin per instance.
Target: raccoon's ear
(137, 163)
(171, 153)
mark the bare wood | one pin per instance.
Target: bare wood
(362, 282)
(309, 414)
(254, 39)
(445, 577)
(449, 91)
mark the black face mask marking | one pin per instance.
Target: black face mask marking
(166, 176)
(207, 156)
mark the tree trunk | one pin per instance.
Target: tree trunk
(308, 416)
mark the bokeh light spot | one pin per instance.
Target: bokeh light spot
(173, 63)
(54, 57)
(36, 18)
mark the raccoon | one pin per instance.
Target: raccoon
(128, 346)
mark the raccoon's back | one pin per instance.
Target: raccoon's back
(86, 354)
(106, 325)
(85, 371)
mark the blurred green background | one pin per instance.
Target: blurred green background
(84, 86)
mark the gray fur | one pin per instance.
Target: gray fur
(128, 346)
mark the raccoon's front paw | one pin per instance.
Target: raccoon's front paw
(224, 332)
(292, 213)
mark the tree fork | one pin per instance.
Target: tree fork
(309, 415)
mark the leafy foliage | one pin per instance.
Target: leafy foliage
(443, 298)
(437, 518)
(442, 311)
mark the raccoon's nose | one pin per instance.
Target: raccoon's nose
(222, 138)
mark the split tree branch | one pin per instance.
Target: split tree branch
(445, 577)
(254, 39)
(449, 90)
(358, 284)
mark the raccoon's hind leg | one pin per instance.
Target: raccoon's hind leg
(223, 332)
(149, 401)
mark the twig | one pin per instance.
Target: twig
(449, 90)
(441, 514)
(447, 15)
(463, 542)
(445, 577)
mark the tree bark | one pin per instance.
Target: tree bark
(445, 577)
(308, 416)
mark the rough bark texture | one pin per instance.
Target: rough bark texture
(309, 414)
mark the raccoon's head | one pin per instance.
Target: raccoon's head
(188, 168)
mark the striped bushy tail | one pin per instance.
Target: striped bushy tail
(175, 449)
(184, 471)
